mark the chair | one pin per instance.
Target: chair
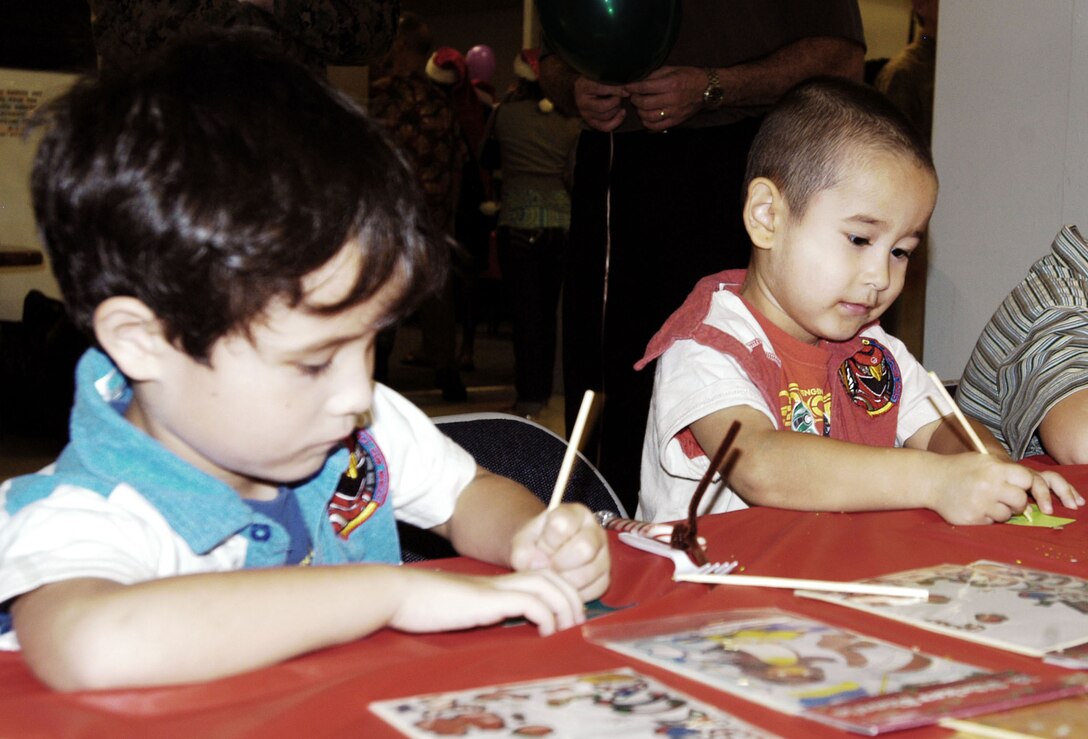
(522, 450)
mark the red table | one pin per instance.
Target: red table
(326, 693)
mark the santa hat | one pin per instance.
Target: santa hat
(447, 66)
(527, 67)
(527, 64)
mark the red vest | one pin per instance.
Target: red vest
(864, 377)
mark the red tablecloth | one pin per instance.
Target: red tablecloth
(326, 693)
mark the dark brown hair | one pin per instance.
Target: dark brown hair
(213, 180)
(818, 128)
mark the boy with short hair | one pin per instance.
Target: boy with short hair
(233, 234)
(840, 188)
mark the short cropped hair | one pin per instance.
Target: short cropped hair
(818, 127)
(213, 180)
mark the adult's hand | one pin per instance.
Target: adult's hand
(599, 105)
(669, 96)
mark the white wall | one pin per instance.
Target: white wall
(1010, 139)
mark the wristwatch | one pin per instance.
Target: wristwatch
(713, 95)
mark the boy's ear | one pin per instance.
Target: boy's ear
(764, 210)
(132, 335)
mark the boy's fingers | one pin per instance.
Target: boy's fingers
(580, 562)
(561, 599)
(586, 547)
(1041, 492)
(527, 557)
(560, 525)
(593, 581)
(597, 588)
(1067, 494)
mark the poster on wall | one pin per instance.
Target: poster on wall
(21, 93)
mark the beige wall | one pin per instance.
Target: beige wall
(1010, 139)
(887, 24)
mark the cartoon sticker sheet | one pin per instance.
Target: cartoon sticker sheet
(1015, 608)
(617, 703)
(783, 660)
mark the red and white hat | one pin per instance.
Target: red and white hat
(447, 66)
(527, 64)
(527, 67)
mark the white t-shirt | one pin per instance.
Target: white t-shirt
(692, 381)
(121, 536)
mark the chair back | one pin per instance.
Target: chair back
(526, 452)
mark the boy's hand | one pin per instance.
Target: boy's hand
(569, 542)
(438, 601)
(1046, 482)
(980, 489)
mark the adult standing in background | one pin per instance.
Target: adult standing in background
(657, 187)
(316, 32)
(422, 121)
(907, 80)
(536, 156)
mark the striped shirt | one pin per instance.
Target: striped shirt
(1034, 351)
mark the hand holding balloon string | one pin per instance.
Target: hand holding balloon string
(640, 34)
(668, 96)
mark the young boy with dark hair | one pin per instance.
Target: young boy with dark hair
(840, 188)
(233, 234)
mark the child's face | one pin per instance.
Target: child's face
(269, 408)
(839, 267)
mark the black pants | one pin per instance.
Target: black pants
(532, 274)
(675, 201)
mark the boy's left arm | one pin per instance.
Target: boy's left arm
(499, 521)
(944, 436)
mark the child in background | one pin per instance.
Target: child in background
(1027, 379)
(840, 188)
(233, 234)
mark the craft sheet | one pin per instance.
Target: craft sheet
(616, 703)
(1015, 608)
(804, 667)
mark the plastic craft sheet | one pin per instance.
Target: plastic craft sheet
(1015, 608)
(826, 673)
(617, 703)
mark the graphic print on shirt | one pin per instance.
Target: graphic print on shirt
(807, 410)
(362, 489)
(871, 378)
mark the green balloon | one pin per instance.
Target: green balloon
(611, 41)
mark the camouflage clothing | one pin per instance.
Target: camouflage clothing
(316, 32)
(421, 120)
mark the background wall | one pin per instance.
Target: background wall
(887, 26)
(1010, 139)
